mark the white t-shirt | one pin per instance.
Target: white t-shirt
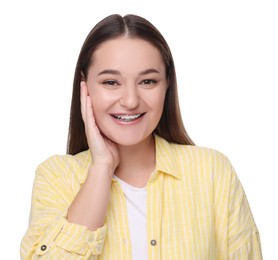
(136, 201)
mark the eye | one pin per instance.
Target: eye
(110, 83)
(148, 82)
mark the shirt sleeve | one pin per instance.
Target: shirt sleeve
(243, 235)
(50, 235)
(236, 232)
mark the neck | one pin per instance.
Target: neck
(137, 162)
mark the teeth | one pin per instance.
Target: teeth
(127, 117)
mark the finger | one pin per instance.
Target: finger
(89, 110)
(93, 133)
(83, 99)
(90, 119)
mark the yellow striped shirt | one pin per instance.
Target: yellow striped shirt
(196, 209)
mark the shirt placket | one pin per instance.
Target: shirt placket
(154, 216)
(123, 222)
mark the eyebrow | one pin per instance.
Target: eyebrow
(116, 72)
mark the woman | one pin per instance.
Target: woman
(133, 185)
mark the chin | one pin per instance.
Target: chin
(128, 139)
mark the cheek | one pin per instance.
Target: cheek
(98, 111)
(158, 103)
(102, 102)
(99, 99)
(97, 102)
(96, 107)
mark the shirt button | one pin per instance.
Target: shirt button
(153, 242)
(43, 247)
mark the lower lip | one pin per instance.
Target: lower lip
(134, 122)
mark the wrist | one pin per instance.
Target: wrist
(101, 169)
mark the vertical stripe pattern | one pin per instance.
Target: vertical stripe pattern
(196, 209)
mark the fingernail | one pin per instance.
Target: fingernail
(82, 83)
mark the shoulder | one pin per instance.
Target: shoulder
(208, 160)
(58, 166)
(191, 153)
(205, 169)
(190, 159)
(199, 153)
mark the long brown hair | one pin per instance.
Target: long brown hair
(170, 126)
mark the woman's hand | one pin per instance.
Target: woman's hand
(104, 152)
(89, 206)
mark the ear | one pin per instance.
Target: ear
(82, 76)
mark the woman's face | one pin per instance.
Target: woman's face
(127, 84)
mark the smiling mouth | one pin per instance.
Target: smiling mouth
(128, 118)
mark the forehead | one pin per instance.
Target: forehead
(125, 53)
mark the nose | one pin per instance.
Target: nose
(129, 98)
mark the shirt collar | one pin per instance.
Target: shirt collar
(166, 158)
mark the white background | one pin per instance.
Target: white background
(227, 66)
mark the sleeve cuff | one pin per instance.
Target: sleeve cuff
(73, 238)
